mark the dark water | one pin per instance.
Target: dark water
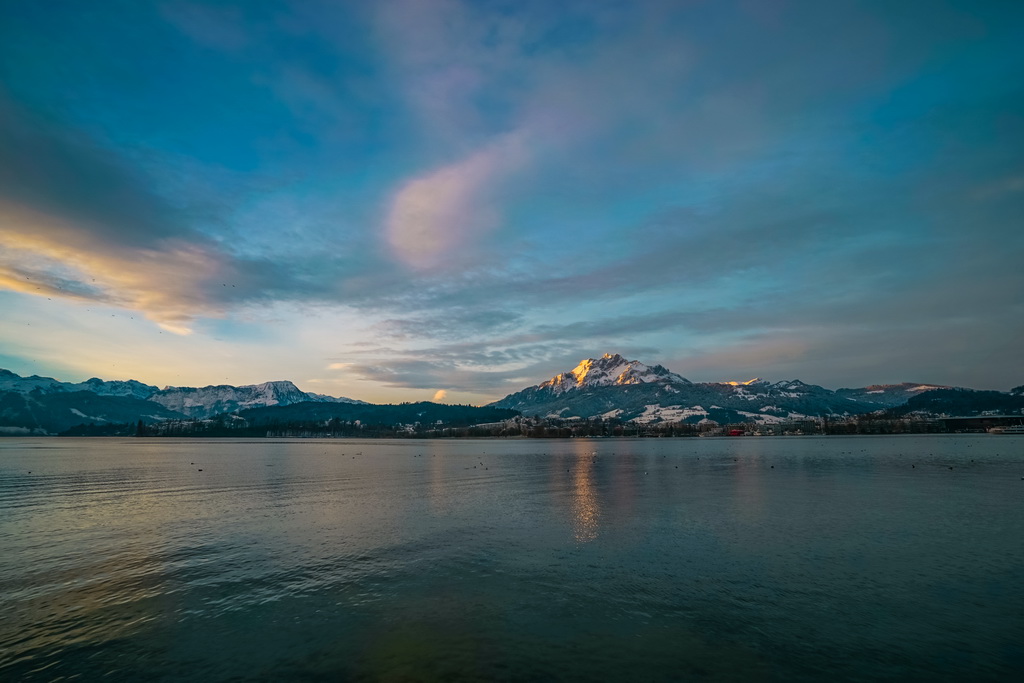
(688, 559)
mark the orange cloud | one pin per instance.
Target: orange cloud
(48, 257)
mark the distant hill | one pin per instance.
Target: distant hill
(962, 402)
(888, 395)
(40, 413)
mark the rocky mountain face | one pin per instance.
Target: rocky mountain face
(612, 387)
(203, 402)
(610, 370)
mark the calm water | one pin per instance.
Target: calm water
(621, 560)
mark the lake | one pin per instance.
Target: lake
(785, 558)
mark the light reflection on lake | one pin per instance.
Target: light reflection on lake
(585, 507)
(663, 559)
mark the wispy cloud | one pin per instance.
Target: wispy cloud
(172, 282)
(216, 27)
(434, 218)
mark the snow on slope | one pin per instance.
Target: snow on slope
(214, 399)
(10, 381)
(613, 387)
(129, 388)
(199, 402)
(609, 370)
(657, 413)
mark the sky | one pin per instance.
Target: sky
(436, 199)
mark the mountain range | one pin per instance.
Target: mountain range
(613, 387)
(609, 387)
(45, 405)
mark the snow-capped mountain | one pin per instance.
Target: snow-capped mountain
(612, 387)
(197, 402)
(609, 370)
(211, 400)
(10, 381)
(130, 388)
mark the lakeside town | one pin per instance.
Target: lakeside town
(533, 427)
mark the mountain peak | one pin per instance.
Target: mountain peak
(276, 385)
(206, 401)
(791, 384)
(611, 369)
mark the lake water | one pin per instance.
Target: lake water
(860, 558)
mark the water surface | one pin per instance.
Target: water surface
(863, 558)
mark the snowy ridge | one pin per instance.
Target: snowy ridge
(656, 413)
(9, 381)
(201, 402)
(612, 387)
(116, 388)
(211, 400)
(609, 370)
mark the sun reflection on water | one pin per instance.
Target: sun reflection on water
(585, 507)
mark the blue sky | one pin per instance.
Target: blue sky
(397, 200)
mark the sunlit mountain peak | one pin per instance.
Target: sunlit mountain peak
(611, 369)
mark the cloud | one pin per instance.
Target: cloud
(453, 322)
(440, 395)
(78, 221)
(1000, 188)
(48, 169)
(216, 27)
(172, 282)
(448, 58)
(434, 218)
(408, 371)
